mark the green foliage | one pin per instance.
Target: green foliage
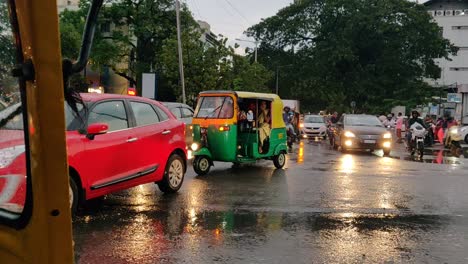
(7, 52)
(367, 51)
(142, 37)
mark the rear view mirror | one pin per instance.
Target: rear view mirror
(96, 129)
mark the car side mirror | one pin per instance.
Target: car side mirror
(96, 129)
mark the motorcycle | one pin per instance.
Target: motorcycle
(418, 135)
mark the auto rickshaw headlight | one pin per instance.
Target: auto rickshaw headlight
(194, 146)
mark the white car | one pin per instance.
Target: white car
(459, 133)
(315, 126)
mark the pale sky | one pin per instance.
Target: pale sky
(232, 17)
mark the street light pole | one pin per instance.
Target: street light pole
(179, 44)
(256, 47)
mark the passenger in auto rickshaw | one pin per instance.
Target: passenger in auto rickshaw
(264, 129)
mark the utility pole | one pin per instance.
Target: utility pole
(179, 44)
(256, 46)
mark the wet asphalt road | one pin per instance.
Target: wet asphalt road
(325, 207)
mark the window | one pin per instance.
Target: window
(112, 113)
(215, 107)
(186, 112)
(460, 27)
(176, 112)
(106, 27)
(144, 114)
(15, 200)
(162, 115)
(459, 68)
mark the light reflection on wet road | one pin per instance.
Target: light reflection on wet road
(324, 207)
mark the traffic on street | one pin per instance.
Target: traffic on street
(285, 131)
(323, 207)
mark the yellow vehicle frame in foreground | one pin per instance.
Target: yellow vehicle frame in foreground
(45, 236)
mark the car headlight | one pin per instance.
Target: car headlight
(387, 135)
(349, 134)
(194, 146)
(8, 155)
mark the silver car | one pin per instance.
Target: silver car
(315, 126)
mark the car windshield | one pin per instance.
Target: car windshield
(362, 121)
(215, 107)
(14, 121)
(313, 119)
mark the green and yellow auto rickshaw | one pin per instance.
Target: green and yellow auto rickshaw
(238, 127)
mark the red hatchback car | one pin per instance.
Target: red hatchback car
(116, 142)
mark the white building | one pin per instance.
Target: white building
(207, 36)
(67, 4)
(452, 17)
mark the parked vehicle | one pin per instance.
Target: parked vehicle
(315, 127)
(228, 126)
(116, 142)
(361, 132)
(456, 136)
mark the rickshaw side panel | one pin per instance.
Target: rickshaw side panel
(278, 141)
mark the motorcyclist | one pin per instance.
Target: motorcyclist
(288, 117)
(413, 120)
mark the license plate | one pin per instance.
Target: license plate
(369, 141)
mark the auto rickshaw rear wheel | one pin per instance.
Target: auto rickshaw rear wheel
(279, 160)
(201, 165)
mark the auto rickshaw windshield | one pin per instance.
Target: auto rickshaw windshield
(215, 107)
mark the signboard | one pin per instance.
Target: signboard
(454, 98)
(434, 110)
(149, 85)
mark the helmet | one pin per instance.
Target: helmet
(287, 108)
(389, 116)
(414, 112)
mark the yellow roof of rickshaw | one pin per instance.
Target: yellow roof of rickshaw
(240, 94)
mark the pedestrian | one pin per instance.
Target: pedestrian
(399, 125)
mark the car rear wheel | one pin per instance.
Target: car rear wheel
(173, 175)
(201, 165)
(279, 160)
(73, 196)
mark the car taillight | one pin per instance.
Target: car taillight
(224, 128)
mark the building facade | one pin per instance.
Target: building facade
(67, 4)
(452, 17)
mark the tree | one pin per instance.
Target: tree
(355, 50)
(8, 84)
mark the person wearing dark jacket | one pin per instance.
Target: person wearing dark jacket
(414, 119)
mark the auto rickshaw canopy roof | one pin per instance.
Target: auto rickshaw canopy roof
(276, 103)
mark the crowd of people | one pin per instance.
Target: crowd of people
(436, 127)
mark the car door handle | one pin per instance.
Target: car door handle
(131, 140)
(166, 132)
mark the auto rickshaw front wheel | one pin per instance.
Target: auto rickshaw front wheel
(279, 160)
(201, 165)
